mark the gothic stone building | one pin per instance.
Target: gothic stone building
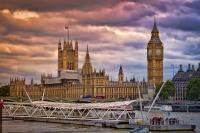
(181, 79)
(73, 82)
(85, 82)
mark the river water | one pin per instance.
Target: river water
(18, 126)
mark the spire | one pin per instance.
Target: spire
(181, 68)
(87, 49)
(70, 45)
(64, 45)
(189, 68)
(198, 67)
(59, 45)
(155, 34)
(155, 29)
(87, 67)
(120, 70)
(76, 45)
(87, 57)
(193, 69)
(120, 74)
(32, 82)
(144, 79)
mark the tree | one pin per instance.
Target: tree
(193, 89)
(5, 90)
(167, 91)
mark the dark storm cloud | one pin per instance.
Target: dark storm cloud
(194, 6)
(162, 5)
(192, 50)
(132, 15)
(188, 23)
(55, 5)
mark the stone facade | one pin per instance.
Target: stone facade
(181, 79)
(91, 84)
(155, 54)
(74, 90)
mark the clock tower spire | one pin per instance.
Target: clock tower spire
(155, 57)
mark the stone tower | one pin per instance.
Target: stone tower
(155, 57)
(17, 86)
(67, 56)
(121, 74)
(87, 67)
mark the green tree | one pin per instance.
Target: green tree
(193, 89)
(5, 90)
(167, 91)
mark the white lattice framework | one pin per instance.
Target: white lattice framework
(100, 111)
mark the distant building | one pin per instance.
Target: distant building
(181, 79)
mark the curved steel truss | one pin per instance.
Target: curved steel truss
(95, 111)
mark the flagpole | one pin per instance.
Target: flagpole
(67, 27)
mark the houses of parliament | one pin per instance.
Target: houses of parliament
(73, 83)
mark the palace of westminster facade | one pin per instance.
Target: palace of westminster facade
(73, 82)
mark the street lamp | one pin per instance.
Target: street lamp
(172, 65)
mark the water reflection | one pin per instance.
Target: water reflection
(18, 126)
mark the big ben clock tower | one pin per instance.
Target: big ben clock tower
(155, 57)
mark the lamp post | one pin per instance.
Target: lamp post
(172, 65)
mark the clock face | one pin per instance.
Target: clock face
(158, 52)
(150, 52)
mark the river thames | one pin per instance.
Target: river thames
(18, 126)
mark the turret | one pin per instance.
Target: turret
(103, 71)
(121, 74)
(76, 45)
(193, 69)
(94, 72)
(60, 58)
(76, 55)
(144, 79)
(31, 82)
(180, 68)
(59, 46)
(189, 68)
(64, 45)
(70, 45)
(198, 69)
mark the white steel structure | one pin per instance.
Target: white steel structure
(121, 110)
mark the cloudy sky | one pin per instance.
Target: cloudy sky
(117, 32)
